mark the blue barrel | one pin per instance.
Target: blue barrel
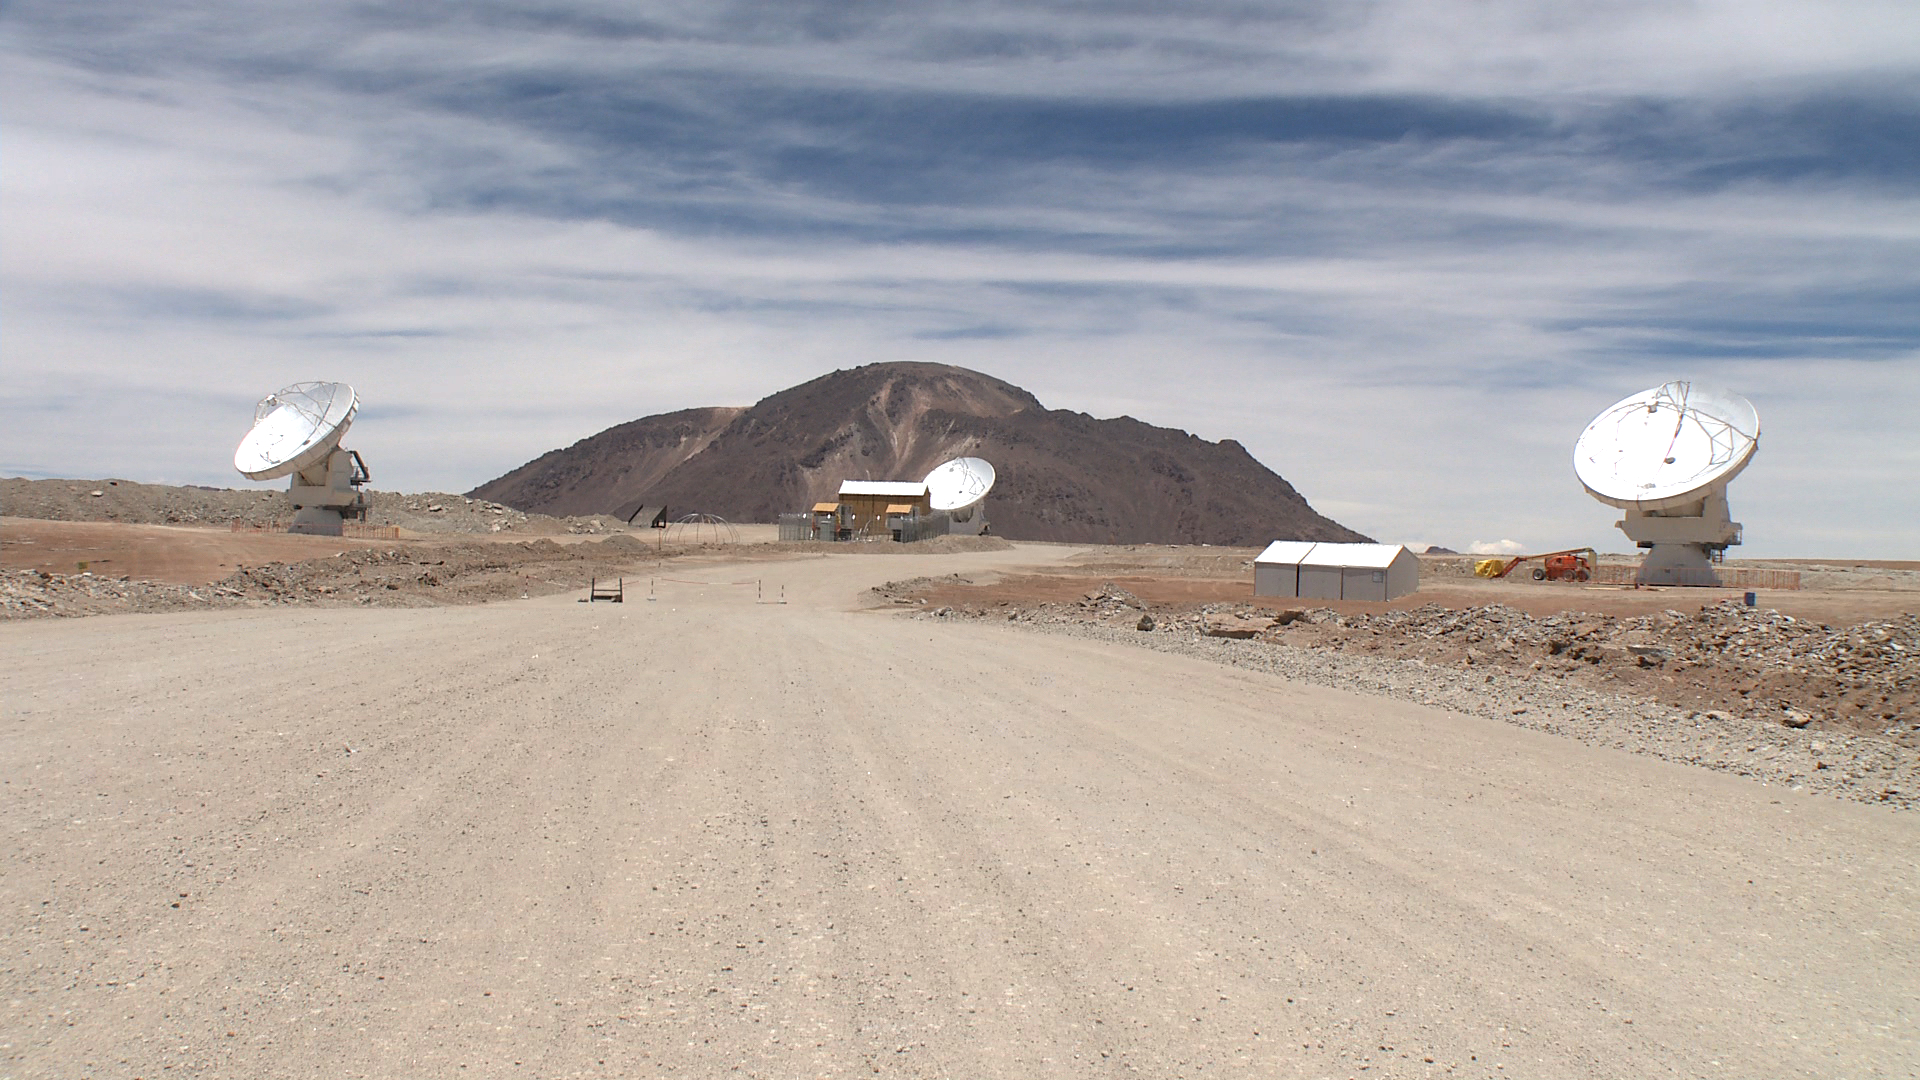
(1753, 599)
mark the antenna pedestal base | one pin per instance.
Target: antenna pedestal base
(971, 521)
(1683, 542)
(327, 492)
(317, 521)
(1677, 564)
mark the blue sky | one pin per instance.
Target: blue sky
(1402, 251)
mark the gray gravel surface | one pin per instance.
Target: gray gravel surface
(134, 503)
(707, 836)
(1855, 767)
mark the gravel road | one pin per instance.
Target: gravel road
(1872, 770)
(551, 839)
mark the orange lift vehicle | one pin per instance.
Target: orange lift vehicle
(1573, 564)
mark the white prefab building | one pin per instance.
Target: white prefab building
(1377, 572)
(1276, 571)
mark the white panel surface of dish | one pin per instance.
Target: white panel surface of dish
(960, 483)
(1667, 446)
(294, 428)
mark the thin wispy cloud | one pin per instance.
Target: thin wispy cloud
(1402, 251)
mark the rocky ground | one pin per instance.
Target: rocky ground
(1823, 701)
(159, 504)
(420, 573)
(1744, 690)
(405, 575)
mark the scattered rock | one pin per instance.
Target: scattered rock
(1684, 687)
(407, 575)
(1239, 627)
(1862, 768)
(1145, 623)
(1651, 655)
(162, 504)
(1110, 596)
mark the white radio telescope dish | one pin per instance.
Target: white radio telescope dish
(1667, 446)
(958, 488)
(1665, 456)
(959, 484)
(295, 428)
(296, 432)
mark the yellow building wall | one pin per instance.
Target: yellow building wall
(866, 515)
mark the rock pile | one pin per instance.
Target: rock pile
(413, 575)
(1730, 659)
(138, 504)
(1863, 768)
(29, 593)
(1240, 627)
(1110, 599)
(132, 503)
(1757, 662)
(1732, 688)
(440, 512)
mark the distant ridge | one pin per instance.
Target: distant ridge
(1062, 475)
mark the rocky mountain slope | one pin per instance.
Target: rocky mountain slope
(1062, 475)
(620, 463)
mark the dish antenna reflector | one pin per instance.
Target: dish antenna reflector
(296, 432)
(958, 488)
(295, 427)
(1665, 456)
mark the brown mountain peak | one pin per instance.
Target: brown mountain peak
(1063, 475)
(900, 390)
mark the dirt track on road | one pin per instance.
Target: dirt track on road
(547, 838)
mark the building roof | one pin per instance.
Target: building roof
(893, 489)
(1302, 553)
(1284, 552)
(825, 508)
(1363, 556)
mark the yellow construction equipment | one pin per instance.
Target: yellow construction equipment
(1573, 564)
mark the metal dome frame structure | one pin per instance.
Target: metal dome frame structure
(700, 529)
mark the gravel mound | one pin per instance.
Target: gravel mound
(1859, 679)
(1857, 767)
(1864, 677)
(414, 575)
(1743, 690)
(134, 503)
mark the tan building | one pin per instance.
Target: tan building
(876, 508)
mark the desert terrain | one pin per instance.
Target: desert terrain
(410, 807)
(1842, 654)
